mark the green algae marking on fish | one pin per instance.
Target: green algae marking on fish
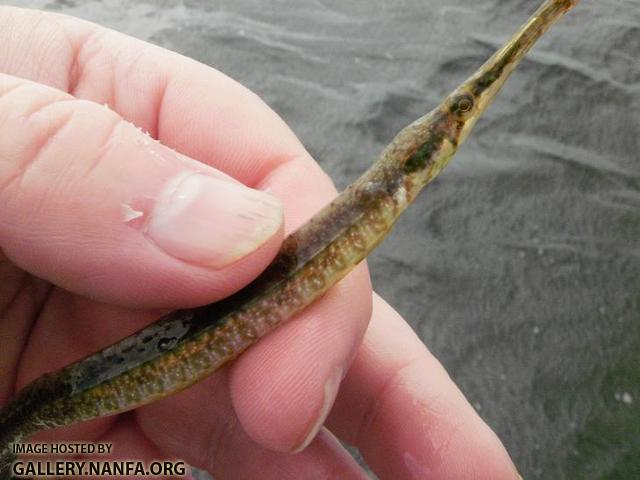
(187, 345)
(418, 160)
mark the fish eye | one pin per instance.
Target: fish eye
(462, 104)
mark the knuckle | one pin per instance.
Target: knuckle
(50, 133)
(27, 124)
(88, 56)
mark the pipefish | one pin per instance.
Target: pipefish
(186, 345)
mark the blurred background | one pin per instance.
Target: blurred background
(519, 267)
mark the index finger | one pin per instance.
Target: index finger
(407, 417)
(187, 105)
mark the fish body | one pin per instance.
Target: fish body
(187, 345)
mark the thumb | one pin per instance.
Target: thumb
(91, 203)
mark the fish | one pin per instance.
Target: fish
(185, 346)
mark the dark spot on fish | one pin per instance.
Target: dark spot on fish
(489, 77)
(420, 159)
(484, 82)
(147, 339)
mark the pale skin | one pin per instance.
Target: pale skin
(77, 275)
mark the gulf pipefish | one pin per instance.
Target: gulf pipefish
(187, 345)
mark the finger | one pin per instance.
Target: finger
(20, 298)
(406, 416)
(186, 105)
(128, 443)
(218, 444)
(92, 204)
(300, 367)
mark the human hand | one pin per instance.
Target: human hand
(102, 227)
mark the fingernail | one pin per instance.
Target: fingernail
(211, 221)
(330, 390)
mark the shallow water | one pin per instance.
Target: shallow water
(520, 266)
